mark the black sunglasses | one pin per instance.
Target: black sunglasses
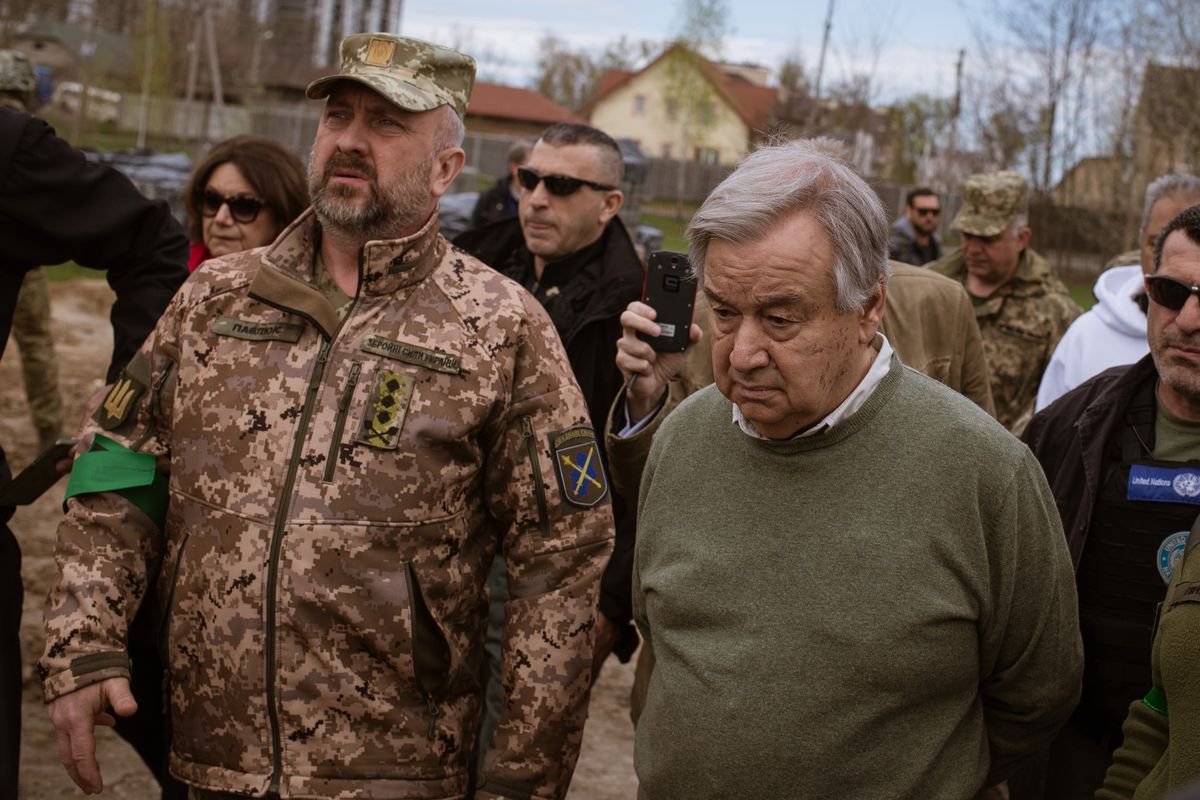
(557, 185)
(243, 209)
(1169, 292)
(924, 211)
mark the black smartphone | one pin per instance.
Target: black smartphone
(39, 476)
(670, 289)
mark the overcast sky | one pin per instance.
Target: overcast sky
(908, 46)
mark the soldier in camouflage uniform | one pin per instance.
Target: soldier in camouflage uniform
(347, 425)
(1022, 309)
(31, 318)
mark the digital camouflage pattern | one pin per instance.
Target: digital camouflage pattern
(16, 72)
(39, 366)
(990, 202)
(415, 75)
(1021, 323)
(335, 502)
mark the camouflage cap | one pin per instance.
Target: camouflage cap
(415, 75)
(990, 202)
(16, 72)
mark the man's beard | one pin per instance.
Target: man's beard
(389, 211)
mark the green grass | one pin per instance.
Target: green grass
(70, 271)
(672, 230)
(1081, 293)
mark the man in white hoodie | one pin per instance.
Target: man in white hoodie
(1113, 332)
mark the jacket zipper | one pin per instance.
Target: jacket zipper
(169, 606)
(340, 425)
(416, 601)
(281, 513)
(155, 397)
(532, 451)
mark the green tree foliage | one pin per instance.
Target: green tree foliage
(916, 124)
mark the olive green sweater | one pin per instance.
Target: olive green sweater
(882, 610)
(1161, 748)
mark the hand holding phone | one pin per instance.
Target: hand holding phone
(670, 289)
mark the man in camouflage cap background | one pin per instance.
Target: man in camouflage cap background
(348, 424)
(1021, 308)
(31, 318)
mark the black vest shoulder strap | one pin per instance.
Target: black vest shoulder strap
(1136, 437)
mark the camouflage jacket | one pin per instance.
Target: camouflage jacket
(337, 491)
(1021, 323)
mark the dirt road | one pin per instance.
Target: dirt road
(83, 341)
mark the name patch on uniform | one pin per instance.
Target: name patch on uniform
(577, 466)
(1183, 592)
(413, 354)
(257, 331)
(386, 408)
(1164, 484)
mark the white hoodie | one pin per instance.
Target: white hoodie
(1112, 333)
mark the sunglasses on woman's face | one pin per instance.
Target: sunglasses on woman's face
(557, 185)
(1169, 292)
(243, 209)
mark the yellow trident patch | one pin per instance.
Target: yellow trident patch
(384, 415)
(119, 402)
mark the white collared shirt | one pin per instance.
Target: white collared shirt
(853, 402)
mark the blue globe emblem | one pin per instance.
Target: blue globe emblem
(1169, 553)
(1186, 484)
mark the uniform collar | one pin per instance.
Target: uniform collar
(285, 279)
(385, 265)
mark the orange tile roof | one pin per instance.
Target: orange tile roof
(752, 103)
(510, 102)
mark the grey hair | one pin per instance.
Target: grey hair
(450, 131)
(1173, 185)
(802, 176)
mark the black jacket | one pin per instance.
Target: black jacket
(494, 204)
(584, 294)
(57, 206)
(1069, 438)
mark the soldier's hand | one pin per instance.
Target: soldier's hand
(653, 370)
(75, 716)
(85, 442)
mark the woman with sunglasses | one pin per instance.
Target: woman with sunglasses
(243, 193)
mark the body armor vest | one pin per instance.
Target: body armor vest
(1124, 571)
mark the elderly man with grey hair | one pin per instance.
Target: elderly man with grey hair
(853, 579)
(1113, 332)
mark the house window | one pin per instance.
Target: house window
(666, 150)
(707, 113)
(706, 155)
(639, 105)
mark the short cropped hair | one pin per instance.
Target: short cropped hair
(800, 177)
(920, 191)
(275, 173)
(612, 163)
(450, 131)
(1188, 221)
(1175, 185)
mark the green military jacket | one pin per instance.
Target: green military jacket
(337, 487)
(1021, 323)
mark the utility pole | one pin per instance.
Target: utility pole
(815, 118)
(955, 110)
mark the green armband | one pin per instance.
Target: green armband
(112, 467)
(1155, 701)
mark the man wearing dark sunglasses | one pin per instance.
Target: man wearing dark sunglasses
(914, 238)
(1122, 455)
(1021, 307)
(570, 249)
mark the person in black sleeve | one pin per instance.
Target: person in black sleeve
(56, 206)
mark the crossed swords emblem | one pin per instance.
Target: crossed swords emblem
(584, 474)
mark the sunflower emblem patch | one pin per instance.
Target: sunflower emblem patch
(577, 466)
